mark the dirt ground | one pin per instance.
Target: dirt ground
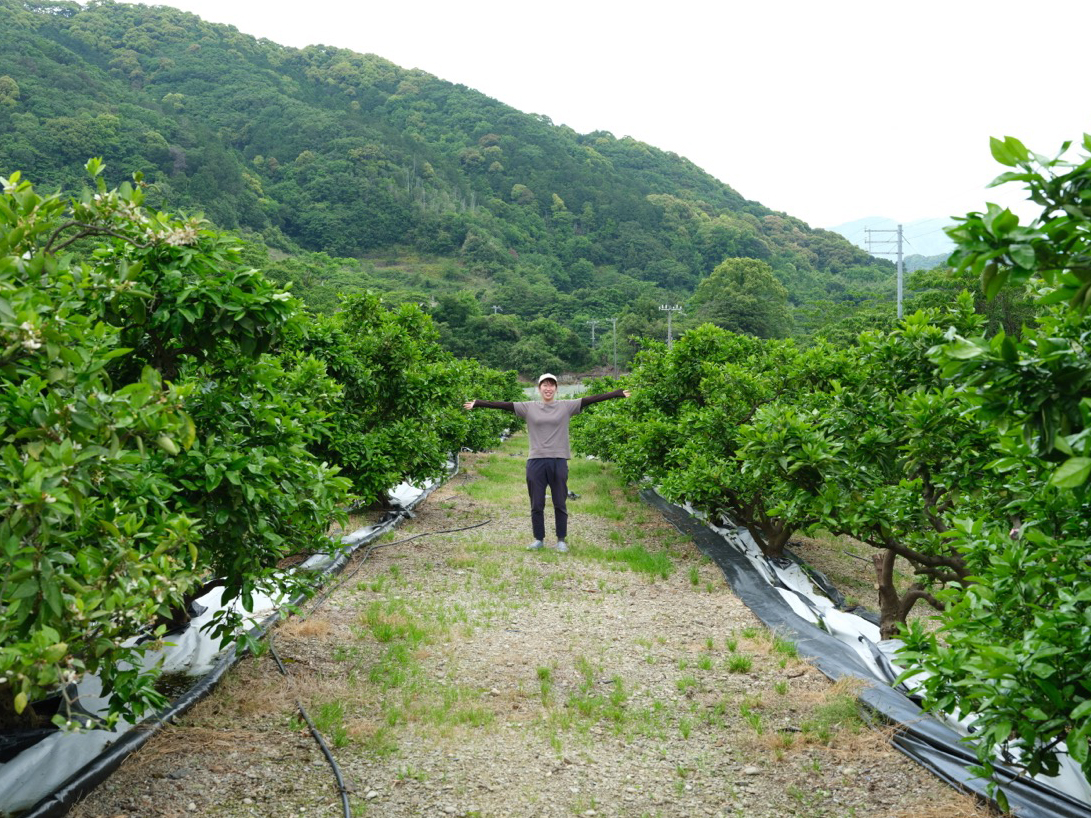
(460, 674)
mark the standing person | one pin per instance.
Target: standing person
(547, 461)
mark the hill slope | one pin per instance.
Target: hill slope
(323, 149)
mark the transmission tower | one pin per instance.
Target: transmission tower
(885, 243)
(614, 334)
(594, 322)
(670, 313)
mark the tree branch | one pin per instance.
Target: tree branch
(87, 230)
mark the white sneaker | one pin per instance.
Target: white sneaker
(562, 546)
(537, 545)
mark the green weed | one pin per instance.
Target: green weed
(840, 712)
(633, 558)
(739, 663)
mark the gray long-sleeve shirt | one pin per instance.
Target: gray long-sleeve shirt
(547, 423)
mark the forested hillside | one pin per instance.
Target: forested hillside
(348, 172)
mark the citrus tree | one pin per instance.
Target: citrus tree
(683, 426)
(163, 427)
(94, 547)
(887, 456)
(1015, 645)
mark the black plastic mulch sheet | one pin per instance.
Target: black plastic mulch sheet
(922, 738)
(61, 800)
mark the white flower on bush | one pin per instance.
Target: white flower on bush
(181, 237)
(32, 339)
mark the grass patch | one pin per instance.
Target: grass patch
(545, 684)
(329, 718)
(785, 648)
(839, 713)
(632, 558)
(390, 622)
(739, 663)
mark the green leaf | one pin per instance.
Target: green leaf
(1009, 151)
(1023, 256)
(167, 444)
(1072, 473)
(993, 279)
(1000, 152)
(962, 349)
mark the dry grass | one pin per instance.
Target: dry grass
(304, 628)
(959, 805)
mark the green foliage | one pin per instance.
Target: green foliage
(887, 456)
(1014, 645)
(743, 295)
(94, 548)
(683, 426)
(168, 416)
(1009, 310)
(398, 416)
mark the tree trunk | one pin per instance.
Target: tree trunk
(890, 607)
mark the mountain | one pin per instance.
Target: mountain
(350, 172)
(924, 237)
(918, 262)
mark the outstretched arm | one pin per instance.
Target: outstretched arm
(506, 405)
(617, 393)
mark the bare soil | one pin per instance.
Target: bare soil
(460, 674)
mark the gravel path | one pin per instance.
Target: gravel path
(462, 675)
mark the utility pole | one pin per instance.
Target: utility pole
(670, 313)
(614, 322)
(496, 309)
(594, 322)
(898, 253)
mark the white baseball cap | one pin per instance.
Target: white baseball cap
(547, 377)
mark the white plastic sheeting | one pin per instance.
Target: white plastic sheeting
(878, 655)
(41, 769)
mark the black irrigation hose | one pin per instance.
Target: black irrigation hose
(345, 806)
(81, 782)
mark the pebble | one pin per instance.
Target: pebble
(751, 770)
(372, 794)
(248, 801)
(191, 807)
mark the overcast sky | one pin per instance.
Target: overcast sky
(830, 112)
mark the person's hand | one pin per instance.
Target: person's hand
(626, 392)
(468, 405)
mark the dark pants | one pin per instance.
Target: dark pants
(552, 472)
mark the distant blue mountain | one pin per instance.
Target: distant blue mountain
(924, 237)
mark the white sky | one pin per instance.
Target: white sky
(827, 111)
